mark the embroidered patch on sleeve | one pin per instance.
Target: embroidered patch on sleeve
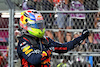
(28, 51)
(26, 48)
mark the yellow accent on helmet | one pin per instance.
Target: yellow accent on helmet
(32, 21)
(37, 32)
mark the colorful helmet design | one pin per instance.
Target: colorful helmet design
(32, 21)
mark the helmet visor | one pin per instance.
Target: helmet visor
(37, 25)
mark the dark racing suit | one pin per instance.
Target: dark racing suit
(30, 49)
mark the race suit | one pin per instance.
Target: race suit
(30, 49)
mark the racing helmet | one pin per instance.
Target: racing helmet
(33, 22)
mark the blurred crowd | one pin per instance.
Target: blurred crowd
(66, 20)
(76, 61)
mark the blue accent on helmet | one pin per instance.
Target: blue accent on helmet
(32, 17)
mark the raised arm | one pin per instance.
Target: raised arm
(62, 48)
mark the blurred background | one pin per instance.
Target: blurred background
(64, 21)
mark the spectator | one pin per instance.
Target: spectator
(83, 46)
(97, 26)
(79, 19)
(29, 4)
(75, 35)
(63, 21)
(47, 5)
(79, 62)
(17, 34)
(64, 63)
(2, 60)
(90, 5)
